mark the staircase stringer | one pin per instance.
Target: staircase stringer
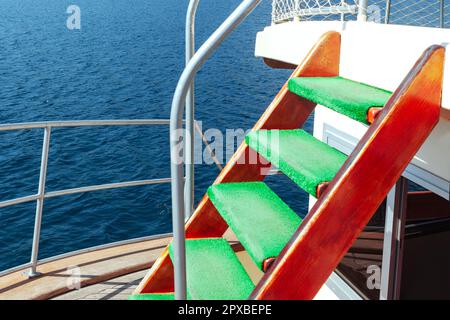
(360, 186)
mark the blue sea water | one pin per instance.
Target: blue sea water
(123, 64)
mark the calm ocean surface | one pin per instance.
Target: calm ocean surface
(123, 64)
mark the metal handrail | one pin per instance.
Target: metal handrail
(100, 187)
(176, 116)
(190, 111)
(65, 192)
(42, 194)
(81, 123)
(107, 186)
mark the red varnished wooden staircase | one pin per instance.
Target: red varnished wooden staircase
(399, 125)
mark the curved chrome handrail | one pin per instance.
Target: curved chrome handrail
(176, 118)
(190, 111)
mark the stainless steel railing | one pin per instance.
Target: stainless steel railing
(42, 194)
(176, 117)
(190, 111)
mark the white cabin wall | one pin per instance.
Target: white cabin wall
(290, 42)
(382, 55)
(377, 54)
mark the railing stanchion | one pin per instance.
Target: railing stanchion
(388, 12)
(40, 202)
(190, 114)
(362, 10)
(297, 10)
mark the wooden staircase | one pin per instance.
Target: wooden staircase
(298, 256)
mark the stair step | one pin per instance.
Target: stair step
(310, 163)
(152, 296)
(350, 98)
(262, 222)
(214, 271)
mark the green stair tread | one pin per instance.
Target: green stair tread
(214, 271)
(353, 99)
(152, 296)
(262, 222)
(304, 159)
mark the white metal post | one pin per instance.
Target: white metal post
(388, 12)
(40, 202)
(297, 10)
(393, 241)
(362, 10)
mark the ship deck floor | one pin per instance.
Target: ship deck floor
(114, 289)
(109, 273)
(59, 277)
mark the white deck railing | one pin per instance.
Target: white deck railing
(427, 13)
(286, 10)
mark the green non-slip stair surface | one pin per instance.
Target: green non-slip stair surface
(262, 222)
(306, 160)
(353, 99)
(152, 296)
(214, 271)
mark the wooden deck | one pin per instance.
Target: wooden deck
(111, 273)
(114, 289)
(61, 276)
